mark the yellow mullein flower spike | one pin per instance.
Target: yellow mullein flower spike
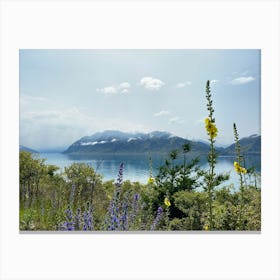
(211, 128)
(167, 202)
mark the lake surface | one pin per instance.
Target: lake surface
(136, 167)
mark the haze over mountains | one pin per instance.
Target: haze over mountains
(117, 142)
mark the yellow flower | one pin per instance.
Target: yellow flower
(211, 128)
(244, 170)
(239, 169)
(151, 180)
(206, 227)
(167, 202)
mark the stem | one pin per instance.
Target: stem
(212, 156)
(210, 184)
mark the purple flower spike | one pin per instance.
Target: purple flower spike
(114, 218)
(120, 175)
(88, 220)
(69, 224)
(157, 219)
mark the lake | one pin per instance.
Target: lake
(136, 167)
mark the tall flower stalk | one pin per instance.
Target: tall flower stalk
(113, 216)
(212, 132)
(157, 218)
(241, 171)
(88, 219)
(151, 178)
(69, 224)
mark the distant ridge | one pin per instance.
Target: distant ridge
(249, 146)
(117, 142)
(26, 149)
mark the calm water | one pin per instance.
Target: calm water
(137, 167)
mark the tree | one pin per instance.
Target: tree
(82, 180)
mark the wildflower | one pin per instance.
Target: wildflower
(120, 176)
(124, 218)
(113, 214)
(69, 223)
(88, 219)
(239, 169)
(151, 180)
(157, 219)
(167, 202)
(112, 221)
(206, 227)
(211, 128)
(136, 197)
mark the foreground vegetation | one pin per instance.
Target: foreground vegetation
(180, 197)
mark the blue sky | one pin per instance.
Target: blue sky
(67, 94)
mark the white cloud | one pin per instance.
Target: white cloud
(162, 113)
(108, 90)
(183, 84)
(242, 80)
(124, 85)
(176, 120)
(59, 126)
(214, 82)
(124, 91)
(151, 83)
(121, 88)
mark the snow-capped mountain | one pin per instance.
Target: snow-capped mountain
(112, 141)
(117, 142)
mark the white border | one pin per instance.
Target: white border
(155, 24)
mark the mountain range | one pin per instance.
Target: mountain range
(117, 142)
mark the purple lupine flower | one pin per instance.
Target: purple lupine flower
(157, 219)
(123, 218)
(112, 221)
(88, 220)
(120, 175)
(69, 224)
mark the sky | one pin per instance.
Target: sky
(68, 94)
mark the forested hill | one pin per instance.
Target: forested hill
(117, 142)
